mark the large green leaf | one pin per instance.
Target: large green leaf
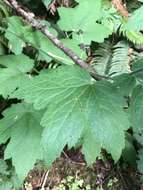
(21, 122)
(77, 108)
(83, 18)
(13, 73)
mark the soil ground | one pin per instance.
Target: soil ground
(70, 172)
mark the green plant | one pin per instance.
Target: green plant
(63, 106)
(112, 181)
(8, 178)
(72, 184)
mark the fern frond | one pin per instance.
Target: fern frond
(120, 59)
(102, 57)
(112, 59)
(135, 37)
(113, 20)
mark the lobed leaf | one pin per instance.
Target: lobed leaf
(83, 22)
(77, 107)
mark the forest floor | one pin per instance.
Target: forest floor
(70, 172)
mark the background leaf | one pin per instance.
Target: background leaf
(83, 22)
(21, 121)
(12, 75)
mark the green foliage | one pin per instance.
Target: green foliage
(13, 33)
(8, 178)
(76, 100)
(140, 161)
(115, 22)
(12, 75)
(136, 110)
(83, 23)
(73, 184)
(102, 58)
(135, 21)
(112, 59)
(2, 50)
(138, 64)
(22, 125)
(3, 10)
(55, 107)
(120, 60)
(134, 36)
(22, 34)
(129, 153)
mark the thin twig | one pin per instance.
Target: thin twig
(31, 19)
(118, 4)
(122, 178)
(44, 180)
(36, 47)
(7, 3)
(73, 162)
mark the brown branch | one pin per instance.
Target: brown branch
(31, 19)
(118, 4)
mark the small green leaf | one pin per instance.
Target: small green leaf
(87, 12)
(13, 73)
(14, 34)
(83, 22)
